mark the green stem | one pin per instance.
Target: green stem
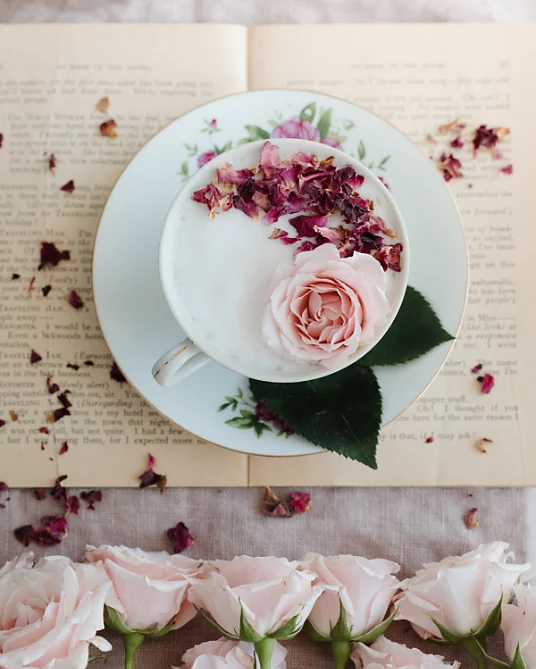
(132, 642)
(264, 650)
(341, 653)
(476, 651)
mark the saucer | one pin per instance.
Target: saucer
(214, 403)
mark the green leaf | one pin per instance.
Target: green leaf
(224, 148)
(362, 152)
(184, 168)
(165, 630)
(239, 392)
(383, 162)
(247, 414)
(245, 140)
(308, 112)
(324, 123)
(375, 632)
(518, 662)
(415, 331)
(215, 626)
(341, 631)
(240, 423)
(288, 631)
(273, 124)
(492, 622)
(114, 621)
(348, 125)
(247, 632)
(447, 635)
(314, 634)
(260, 428)
(256, 132)
(340, 412)
(224, 406)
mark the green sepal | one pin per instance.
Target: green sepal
(340, 631)
(375, 632)
(247, 632)
(448, 636)
(113, 620)
(216, 627)
(314, 634)
(288, 630)
(518, 662)
(159, 633)
(492, 622)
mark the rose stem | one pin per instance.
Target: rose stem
(341, 653)
(476, 651)
(264, 650)
(131, 643)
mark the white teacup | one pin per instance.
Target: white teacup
(215, 272)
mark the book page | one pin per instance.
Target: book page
(51, 78)
(419, 77)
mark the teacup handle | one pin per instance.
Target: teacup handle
(178, 363)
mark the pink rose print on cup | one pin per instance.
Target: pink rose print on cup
(295, 128)
(322, 307)
(329, 141)
(205, 157)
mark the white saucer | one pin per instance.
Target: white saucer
(134, 316)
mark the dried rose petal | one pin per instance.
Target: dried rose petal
(72, 505)
(70, 365)
(180, 538)
(40, 494)
(150, 477)
(389, 257)
(108, 128)
(152, 461)
(2, 422)
(481, 444)
(75, 300)
(64, 448)
(13, 415)
(488, 381)
(31, 285)
(44, 430)
(89, 363)
(470, 519)
(68, 187)
(52, 531)
(64, 400)
(431, 139)
(58, 492)
(3, 486)
(450, 166)
(58, 414)
(51, 255)
(52, 387)
(46, 290)
(24, 534)
(488, 137)
(300, 501)
(103, 105)
(453, 126)
(1, 140)
(457, 143)
(35, 357)
(116, 374)
(52, 163)
(429, 440)
(15, 276)
(90, 497)
(273, 506)
(263, 413)
(42, 446)
(477, 368)
(507, 169)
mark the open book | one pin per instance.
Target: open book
(417, 76)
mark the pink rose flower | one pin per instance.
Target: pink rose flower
(323, 306)
(51, 613)
(364, 588)
(230, 655)
(459, 592)
(295, 128)
(270, 591)
(24, 561)
(150, 590)
(329, 141)
(391, 655)
(519, 625)
(206, 157)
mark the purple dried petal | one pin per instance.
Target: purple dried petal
(116, 374)
(389, 257)
(488, 137)
(51, 255)
(75, 300)
(2, 422)
(273, 506)
(58, 492)
(68, 187)
(152, 461)
(35, 357)
(64, 448)
(64, 400)
(180, 537)
(488, 382)
(91, 497)
(70, 365)
(52, 531)
(477, 368)
(228, 174)
(44, 430)
(450, 166)
(457, 143)
(46, 290)
(89, 363)
(108, 128)
(52, 163)
(507, 169)
(40, 494)
(3, 486)
(1, 140)
(24, 534)
(15, 276)
(58, 414)
(306, 225)
(269, 159)
(72, 505)
(300, 501)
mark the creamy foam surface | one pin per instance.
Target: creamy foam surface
(217, 271)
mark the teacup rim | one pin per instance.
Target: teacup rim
(308, 146)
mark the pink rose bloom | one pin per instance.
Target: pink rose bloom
(322, 307)
(295, 128)
(331, 142)
(386, 654)
(206, 157)
(364, 588)
(459, 592)
(271, 591)
(50, 614)
(150, 590)
(225, 654)
(519, 625)
(24, 561)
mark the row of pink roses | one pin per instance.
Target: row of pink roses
(51, 613)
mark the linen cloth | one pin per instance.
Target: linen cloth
(410, 526)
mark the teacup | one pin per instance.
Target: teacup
(215, 272)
